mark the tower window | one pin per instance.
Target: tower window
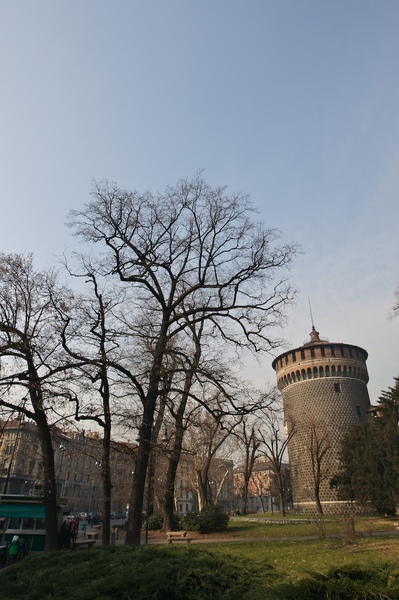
(322, 351)
(303, 354)
(358, 411)
(293, 357)
(337, 387)
(312, 352)
(332, 351)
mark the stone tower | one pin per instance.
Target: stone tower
(324, 389)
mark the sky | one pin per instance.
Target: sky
(294, 102)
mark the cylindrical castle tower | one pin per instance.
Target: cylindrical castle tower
(324, 389)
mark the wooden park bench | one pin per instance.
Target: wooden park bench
(178, 536)
(83, 542)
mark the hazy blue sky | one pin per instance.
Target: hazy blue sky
(294, 101)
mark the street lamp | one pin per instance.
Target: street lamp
(62, 449)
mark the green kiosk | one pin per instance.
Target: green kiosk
(24, 516)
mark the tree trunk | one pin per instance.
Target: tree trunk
(317, 499)
(173, 463)
(107, 488)
(49, 485)
(202, 481)
(244, 496)
(280, 485)
(133, 530)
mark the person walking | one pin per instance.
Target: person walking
(13, 550)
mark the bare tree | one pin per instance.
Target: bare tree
(33, 366)
(319, 437)
(90, 335)
(395, 307)
(207, 437)
(275, 442)
(192, 252)
(250, 442)
(177, 405)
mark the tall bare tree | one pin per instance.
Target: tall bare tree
(207, 437)
(275, 441)
(249, 441)
(319, 437)
(90, 335)
(192, 251)
(33, 365)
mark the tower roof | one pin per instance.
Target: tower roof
(314, 337)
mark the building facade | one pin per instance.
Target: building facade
(260, 493)
(324, 389)
(77, 461)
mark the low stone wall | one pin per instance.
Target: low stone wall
(278, 521)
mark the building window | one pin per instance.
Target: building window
(358, 411)
(337, 387)
(303, 354)
(312, 352)
(322, 351)
(293, 357)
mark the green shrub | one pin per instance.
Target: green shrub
(213, 518)
(350, 582)
(146, 573)
(191, 521)
(155, 521)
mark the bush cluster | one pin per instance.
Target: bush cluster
(211, 518)
(185, 573)
(155, 521)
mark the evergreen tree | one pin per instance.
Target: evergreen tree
(369, 459)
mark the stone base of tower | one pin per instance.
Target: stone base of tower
(338, 507)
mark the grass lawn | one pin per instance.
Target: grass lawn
(254, 526)
(296, 559)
